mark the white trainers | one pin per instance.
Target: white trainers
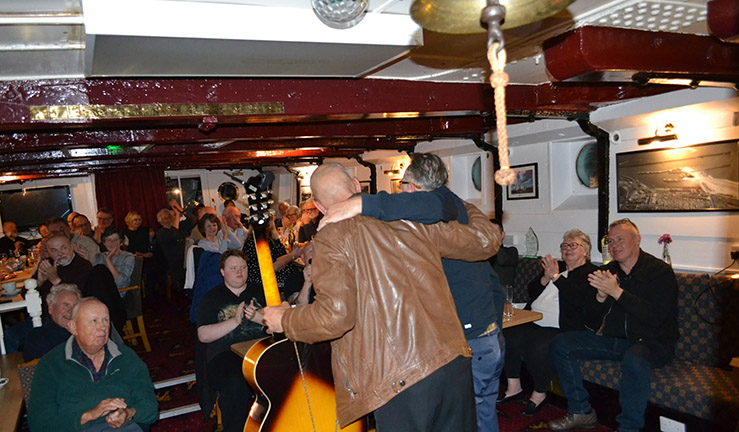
(575, 421)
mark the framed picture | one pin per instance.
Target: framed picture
(526, 185)
(305, 194)
(365, 186)
(697, 178)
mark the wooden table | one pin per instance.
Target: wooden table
(241, 348)
(521, 316)
(11, 396)
(20, 276)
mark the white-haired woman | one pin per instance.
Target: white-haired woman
(557, 293)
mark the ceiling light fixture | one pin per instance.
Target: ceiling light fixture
(665, 133)
(340, 14)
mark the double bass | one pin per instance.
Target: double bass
(294, 379)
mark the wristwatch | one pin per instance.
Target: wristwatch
(555, 277)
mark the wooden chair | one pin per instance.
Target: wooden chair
(134, 309)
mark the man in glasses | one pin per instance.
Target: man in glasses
(632, 318)
(308, 230)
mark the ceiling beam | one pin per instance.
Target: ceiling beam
(616, 54)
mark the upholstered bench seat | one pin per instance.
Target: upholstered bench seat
(698, 381)
(702, 391)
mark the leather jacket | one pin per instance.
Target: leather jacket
(382, 297)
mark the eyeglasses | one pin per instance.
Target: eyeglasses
(616, 240)
(314, 209)
(573, 245)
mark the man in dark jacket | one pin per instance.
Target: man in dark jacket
(399, 349)
(54, 330)
(632, 318)
(475, 287)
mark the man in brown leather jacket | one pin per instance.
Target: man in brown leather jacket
(381, 295)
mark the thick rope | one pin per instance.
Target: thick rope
(499, 80)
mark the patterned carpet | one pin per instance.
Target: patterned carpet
(172, 340)
(171, 337)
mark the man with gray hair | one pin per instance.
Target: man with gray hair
(91, 383)
(54, 327)
(477, 292)
(632, 318)
(398, 348)
(233, 230)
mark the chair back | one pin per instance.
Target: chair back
(132, 295)
(25, 373)
(138, 270)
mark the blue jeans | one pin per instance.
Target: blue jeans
(637, 361)
(487, 365)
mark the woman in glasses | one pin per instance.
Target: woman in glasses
(556, 293)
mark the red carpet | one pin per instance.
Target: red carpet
(172, 340)
(171, 337)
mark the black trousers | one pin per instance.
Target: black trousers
(530, 343)
(442, 402)
(234, 393)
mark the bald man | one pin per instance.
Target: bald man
(90, 382)
(399, 349)
(234, 231)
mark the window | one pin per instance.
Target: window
(188, 191)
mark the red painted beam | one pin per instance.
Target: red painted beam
(723, 19)
(594, 51)
(300, 98)
(36, 141)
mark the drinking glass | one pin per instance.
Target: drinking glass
(508, 310)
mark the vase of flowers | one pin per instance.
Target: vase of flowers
(665, 241)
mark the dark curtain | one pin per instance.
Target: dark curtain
(144, 191)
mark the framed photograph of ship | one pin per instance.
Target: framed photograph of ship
(526, 185)
(697, 178)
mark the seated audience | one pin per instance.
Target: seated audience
(119, 262)
(11, 244)
(43, 231)
(65, 266)
(172, 244)
(54, 328)
(557, 292)
(311, 218)
(631, 317)
(210, 227)
(70, 217)
(83, 245)
(288, 276)
(233, 230)
(195, 235)
(105, 219)
(227, 314)
(62, 265)
(505, 261)
(281, 217)
(291, 225)
(81, 226)
(90, 383)
(139, 237)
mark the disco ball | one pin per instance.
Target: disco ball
(340, 14)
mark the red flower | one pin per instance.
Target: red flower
(664, 238)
